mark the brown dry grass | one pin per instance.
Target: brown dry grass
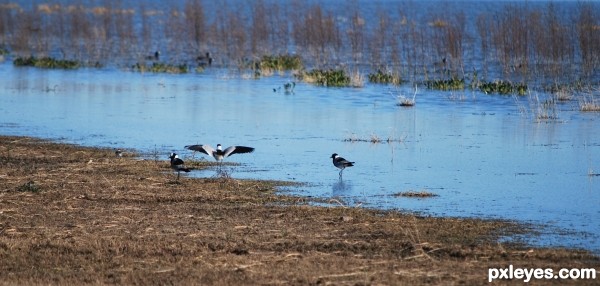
(71, 215)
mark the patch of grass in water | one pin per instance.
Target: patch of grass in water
(161, 68)
(280, 63)
(503, 87)
(385, 78)
(416, 194)
(589, 103)
(46, 62)
(373, 138)
(446, 84)
(328, 78)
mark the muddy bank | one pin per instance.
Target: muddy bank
(77, 215)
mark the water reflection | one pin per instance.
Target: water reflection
(341, 188)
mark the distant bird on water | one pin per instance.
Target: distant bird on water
(178, 165)
(220, 154)
(155, 56)
(341, 163)
(288, 87)
(205, 60)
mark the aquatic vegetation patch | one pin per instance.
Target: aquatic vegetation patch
(563, 95)
(161, 68)
(329, 78)
(280, 63)
(446, 84)
(373, 138)
(589, 103)
(589, 107)
(357, 79)
(416, 194)
(544, 109)
(503, 87)
(384, 78)
(46, 62)
(406, 102)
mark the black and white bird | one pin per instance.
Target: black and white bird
(154, 57)
(205, 60)
(118, 153)
(178, 165)
(220, 154)
(341, 163)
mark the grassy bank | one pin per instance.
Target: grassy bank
(76, 215)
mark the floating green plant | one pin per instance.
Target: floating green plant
(46, 62)
(503, 87)
(161, 68)
(334, 78)
(381, 77)
(446, 84)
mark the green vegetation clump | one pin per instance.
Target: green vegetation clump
(280, 63)
(3, 51)
(161, 68)
(330, 78)
(45, 62)
(503, 87)
(446, 84)
(381, 77)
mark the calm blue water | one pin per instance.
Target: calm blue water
(485, 156)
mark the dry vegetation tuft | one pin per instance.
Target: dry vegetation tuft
(74, 215)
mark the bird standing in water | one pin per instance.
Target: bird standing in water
(341, 163)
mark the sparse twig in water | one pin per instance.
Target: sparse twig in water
(407, 102)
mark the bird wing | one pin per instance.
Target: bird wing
(206, 149)
(236, 149)
(343, 161)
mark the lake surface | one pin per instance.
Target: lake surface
(483, 155)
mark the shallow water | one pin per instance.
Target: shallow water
(484, 156)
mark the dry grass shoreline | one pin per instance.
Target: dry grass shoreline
(72, 215)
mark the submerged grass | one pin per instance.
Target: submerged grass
(101, 219)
